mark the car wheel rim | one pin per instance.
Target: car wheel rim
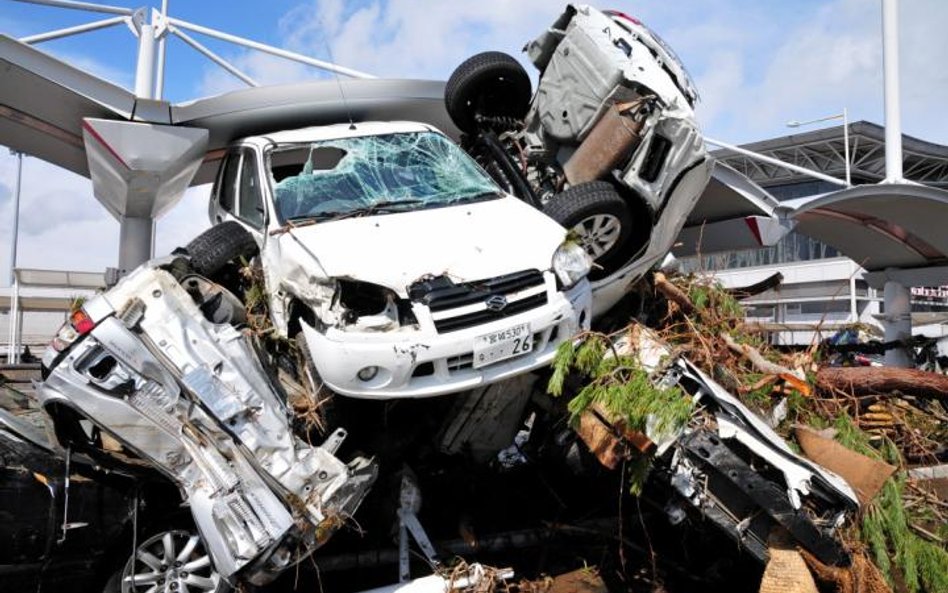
(170, 562)
(598, 234)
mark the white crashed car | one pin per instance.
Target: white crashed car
(398, 264)
(608, 145)
(156, 373)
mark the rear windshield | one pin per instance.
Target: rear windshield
(404, 171)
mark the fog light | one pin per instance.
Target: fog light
(368, 373)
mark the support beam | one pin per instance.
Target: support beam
(14, 232)
(289, 55)
(88, 6)
(210, 55)
(145, 67)
(138, 172)
(897, 321)
(136, 242)
(68, 31)
(893, 116)
(13, 355)
(775, 162)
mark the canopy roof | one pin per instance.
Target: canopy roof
(883, 226)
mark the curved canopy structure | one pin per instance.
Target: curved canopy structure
(881, 227)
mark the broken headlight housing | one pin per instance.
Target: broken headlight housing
(371, 307)
(571, 263)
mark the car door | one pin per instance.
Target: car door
(238, 193)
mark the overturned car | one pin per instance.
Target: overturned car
(154, 373)
(608, 145)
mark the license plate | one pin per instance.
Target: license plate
(503, 344)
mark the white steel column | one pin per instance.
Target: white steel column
(136, 242)
(853, 307)
(14, 232)
(145, 67)
(137, 235)
(13, 343)
(890, 65)
(897, 320)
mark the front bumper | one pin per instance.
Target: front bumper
(425, 363)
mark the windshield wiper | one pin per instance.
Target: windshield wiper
(475, 197)
(376, 208)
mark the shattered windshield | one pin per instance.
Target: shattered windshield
(374, 174)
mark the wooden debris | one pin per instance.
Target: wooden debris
(757, 359)
(883, 380)
(673, 293)
(865, 475)
(786, 572)
(610, 440)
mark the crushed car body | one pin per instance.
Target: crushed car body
(404, 269)
(728, 466)
(158, 365)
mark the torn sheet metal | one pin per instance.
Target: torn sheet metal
(189, 397)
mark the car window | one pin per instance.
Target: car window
(414, 169)
(251, 200)
(228, 189)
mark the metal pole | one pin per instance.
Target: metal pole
(890, 65)
(13, 353)
(853, 307)
(849, 180)
(59, 33)
(136, 242)
(213, 57)
(289, 55)
(14, 235)
(162, 38)
(776, 162)
(145, 67)
(83, 6)
(897, 322)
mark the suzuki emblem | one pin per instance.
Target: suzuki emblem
(497, 302)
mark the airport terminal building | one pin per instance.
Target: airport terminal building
(822, 289)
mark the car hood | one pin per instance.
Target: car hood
(465, 242)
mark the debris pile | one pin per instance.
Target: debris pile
(873, 426)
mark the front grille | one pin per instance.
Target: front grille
(450, 324)
(441, 293)
(442, 296)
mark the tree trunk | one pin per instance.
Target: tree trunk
(871, 380)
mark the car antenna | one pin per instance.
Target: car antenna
(335, 74)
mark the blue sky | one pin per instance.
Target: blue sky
(756, 63)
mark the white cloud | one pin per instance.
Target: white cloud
(757, 65)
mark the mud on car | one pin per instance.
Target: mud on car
(607, 146)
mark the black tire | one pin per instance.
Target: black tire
(579, 207)
(491, 84)
(217, 246)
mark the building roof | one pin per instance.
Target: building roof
(823, 150)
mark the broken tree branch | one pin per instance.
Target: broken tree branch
(772, 281)
(757, 359)
(881, 380)
(673, 293)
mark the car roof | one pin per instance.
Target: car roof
(344, 130)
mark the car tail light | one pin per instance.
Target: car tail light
(622, 15)
(81, 322)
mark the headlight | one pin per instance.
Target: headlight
(571, 263)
